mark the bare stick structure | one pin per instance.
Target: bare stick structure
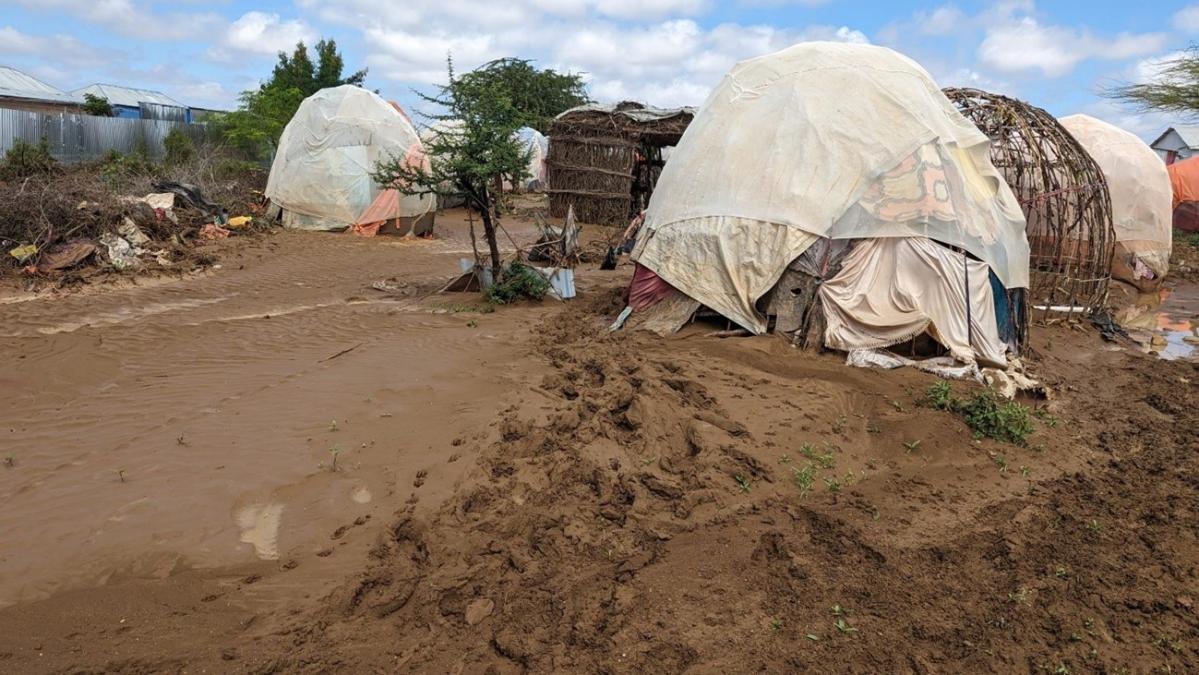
(605, 159)
(1064, 196)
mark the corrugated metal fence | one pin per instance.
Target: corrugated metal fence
(77, 138)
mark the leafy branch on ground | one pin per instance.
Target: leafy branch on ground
(520, 282)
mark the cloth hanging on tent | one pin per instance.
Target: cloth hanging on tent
(890, 290)
(647, 288)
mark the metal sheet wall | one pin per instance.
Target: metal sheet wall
(76, 138)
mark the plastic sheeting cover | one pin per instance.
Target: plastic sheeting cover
(890, 290)
(321, 173)
(797, 145)
(1184, 181)
(1139, 184)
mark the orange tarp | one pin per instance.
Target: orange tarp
(1184, 178)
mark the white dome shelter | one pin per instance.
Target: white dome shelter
(849, 146)
(321, 176)
(1142, 197)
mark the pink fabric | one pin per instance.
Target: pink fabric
(385, 207)
(646, 288)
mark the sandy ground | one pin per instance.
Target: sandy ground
(522, 491)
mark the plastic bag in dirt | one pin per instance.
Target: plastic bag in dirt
(121, 254)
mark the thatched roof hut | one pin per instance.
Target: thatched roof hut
(605, 159)
(1062, 191)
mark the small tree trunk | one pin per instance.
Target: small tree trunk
(489, 232)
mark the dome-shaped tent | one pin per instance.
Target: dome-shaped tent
(1139, 186)
(321, 176)
(831, 141)
(1184, 183)
(1063, 193)
(537, 145)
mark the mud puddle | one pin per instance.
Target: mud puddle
(1166, 323)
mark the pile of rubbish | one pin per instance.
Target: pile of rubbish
(57, 223)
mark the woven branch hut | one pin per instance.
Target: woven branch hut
(605, 159)
(1063, 194)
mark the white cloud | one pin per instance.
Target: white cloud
(64, 49)
(1024, 44)
(650, 50)
(137, 20)
(1147, 126)
(1187, 19)
(262, 33)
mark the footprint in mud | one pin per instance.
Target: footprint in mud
(259, 525)
(420, 478)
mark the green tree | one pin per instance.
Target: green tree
(538, 95)
(470, 160)
(1175, 90)
(97, 105)
(259, 120)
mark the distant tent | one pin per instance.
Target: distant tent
(1184, 181)
(529, 138)
(1139, 185)
(321, 176)
(538, 147)
(835, 182)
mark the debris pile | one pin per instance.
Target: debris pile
(76, 217)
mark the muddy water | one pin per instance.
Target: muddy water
(1167, 322)
(194, 423)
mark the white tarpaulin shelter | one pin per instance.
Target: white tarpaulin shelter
(1139, 185)
(841, 141)
(321, 176)
(538, 147)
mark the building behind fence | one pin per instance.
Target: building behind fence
(78, 138)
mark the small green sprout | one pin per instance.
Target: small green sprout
(911, 445)
(804, 478)
(742, 482)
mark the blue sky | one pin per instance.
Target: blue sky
(1058, 55)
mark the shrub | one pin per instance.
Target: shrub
(26, 159)
(179, 147)
(230, 169)
(520, 281)
(97, 105)
(986, 412)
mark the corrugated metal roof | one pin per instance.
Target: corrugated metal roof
(16, 84)
(1189, 135)
(127, 96)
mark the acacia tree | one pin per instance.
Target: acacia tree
(468, 160)
(538, 95)
(1175, 90)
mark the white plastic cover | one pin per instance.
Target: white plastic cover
(1141, 198)
(321, 175)
(538, 146)
(822, 140)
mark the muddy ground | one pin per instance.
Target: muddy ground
(520, 491)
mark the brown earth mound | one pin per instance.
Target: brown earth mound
(655, 517)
